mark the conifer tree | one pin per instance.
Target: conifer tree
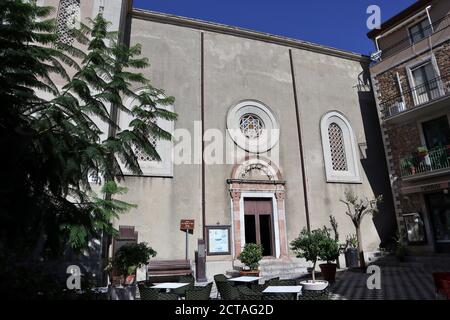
(51, 145)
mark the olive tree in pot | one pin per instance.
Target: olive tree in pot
(329, 252)
(125, 262)
(357, 209)
(309, 245)
(250, 257)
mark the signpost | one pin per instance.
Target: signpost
(187, 225)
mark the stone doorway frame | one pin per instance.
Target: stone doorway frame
(273, 187)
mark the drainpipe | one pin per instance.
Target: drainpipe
(427, 9)
(401, 89)
(376, 43)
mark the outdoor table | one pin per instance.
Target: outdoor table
(245, 279)
(169, 285)
(284, 289)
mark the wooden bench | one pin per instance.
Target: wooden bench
(167, 270)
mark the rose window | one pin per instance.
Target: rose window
(251, 126)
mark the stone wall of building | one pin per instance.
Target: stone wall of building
(404, 137)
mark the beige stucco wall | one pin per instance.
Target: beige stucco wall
(236, 69)
(162, 202)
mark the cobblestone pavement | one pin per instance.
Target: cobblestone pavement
(398, 282)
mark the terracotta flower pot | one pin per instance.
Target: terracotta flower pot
(328, 271)
(249, 273)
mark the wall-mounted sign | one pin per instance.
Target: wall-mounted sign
(218, 240)
(187, 225)
(415, 228)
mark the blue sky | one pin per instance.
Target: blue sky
(336, 23)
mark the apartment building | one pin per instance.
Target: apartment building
(411, 80)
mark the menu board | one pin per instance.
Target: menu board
(218, 240)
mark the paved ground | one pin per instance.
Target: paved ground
(399, 281)
(411, 281)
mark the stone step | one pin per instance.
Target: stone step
(270, 268)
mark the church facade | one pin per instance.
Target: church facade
(288, 127)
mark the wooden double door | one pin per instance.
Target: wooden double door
(258, 215)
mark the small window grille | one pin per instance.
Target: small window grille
(142, 155)
(338, 155)
(67, 19)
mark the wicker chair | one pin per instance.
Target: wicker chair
(446, 288)
(273, 282)
(185, 279)
(147, 293)
(315, 294)
(287, 282)
(259, 288)
(167, 296)
(246, 293)
(280, 296)
(199, 293)
(220, 277)
(438, 278)
(227, 291)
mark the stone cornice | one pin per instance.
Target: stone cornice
(245, 33)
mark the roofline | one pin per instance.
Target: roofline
(245, 33)
(399, 17)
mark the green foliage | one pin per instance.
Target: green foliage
(351, 241)
(334, 226)
(400, 249)
(315, 244)
(132, 256)
(53, 144)
(251, 255)
(358, 208)
(329, 249)
(307, 244)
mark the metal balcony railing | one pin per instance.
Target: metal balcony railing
(432, 90)
(435, 159)
(407, 42)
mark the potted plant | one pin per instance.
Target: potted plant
(126, 260)
(351, 251)
(400, 247)
(329, 252)
(250, 257)
(357, 209)
(308, 245)
(422, 151)
(408, 166)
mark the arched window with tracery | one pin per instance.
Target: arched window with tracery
(67, 19)
(339, 149)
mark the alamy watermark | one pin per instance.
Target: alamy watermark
(374, 20)
(74, 280)
(374, 280)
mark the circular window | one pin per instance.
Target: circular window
(252, 126)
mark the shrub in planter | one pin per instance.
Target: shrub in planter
(329, 252)
(309, 245)
(351, 251)
(400, 247)
(250, 257)
(127, 259)
(422, 151)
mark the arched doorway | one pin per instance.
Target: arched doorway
(257, 192)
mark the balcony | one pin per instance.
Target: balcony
(407, 42)
(417, 97)
(426, 164)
